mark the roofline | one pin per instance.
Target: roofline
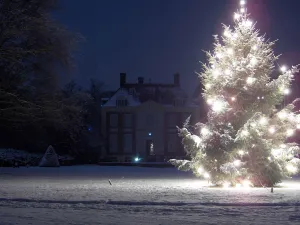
(113, 94)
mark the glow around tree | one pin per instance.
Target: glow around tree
(244, 141)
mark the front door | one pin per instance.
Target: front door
(150, 154)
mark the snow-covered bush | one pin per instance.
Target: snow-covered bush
(8, 157)
(12, 156)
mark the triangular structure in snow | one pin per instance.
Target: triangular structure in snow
(50, 158)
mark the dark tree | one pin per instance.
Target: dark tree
(34, 51)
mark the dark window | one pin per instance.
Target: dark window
(172, 142)
(172, 119)
(113, 143)
(179, 102)
(149, 120)
(132, 91)
(122, 102)
(128, 120)
(127, 143)
(113, 120)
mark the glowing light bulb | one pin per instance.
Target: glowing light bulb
(253, 61)
(230, 51)
(242, 2)
(291, 168)
(241, 152)
(209, 101)
(206, 175)
(218, 106)
(245, 133)
(204, 131)
(250, 80)
(276, 152)
(237, 162)
(233, 99)
(200, 170)
(216, 73)
(286, 91)
(254, 47)
(283, 69)
(248, 23)
(226, 185)
(291, 118)
(272, 130)
(282, 115)
(197, 140)
(226, 33)
(263, 120)
(227, 72)
(282, 146)
(136, 159)
(246, 183)
(236, 16)
(289, 132)
(238, 185)
(243, 10)
(219, 55)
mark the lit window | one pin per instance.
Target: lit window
(152, 149)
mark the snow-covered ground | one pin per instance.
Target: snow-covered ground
(83, 195)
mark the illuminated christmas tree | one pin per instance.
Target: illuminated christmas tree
(244, 141)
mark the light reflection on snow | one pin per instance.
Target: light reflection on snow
(134, 185)
(290, 185)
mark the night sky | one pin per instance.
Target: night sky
(157, 38)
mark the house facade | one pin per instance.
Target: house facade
(140, 120)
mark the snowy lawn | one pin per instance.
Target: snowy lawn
(83, 195)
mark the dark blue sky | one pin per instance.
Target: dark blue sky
(157, 38)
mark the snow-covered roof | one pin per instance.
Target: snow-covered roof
(136, 94)
(122, 93)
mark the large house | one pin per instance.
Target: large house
(140, 119)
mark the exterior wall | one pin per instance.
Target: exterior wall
(150, 122)
(150, 126)
(118, 128)
(174, 117)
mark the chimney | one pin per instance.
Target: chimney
(122, 79)
(177, 79)
(140, 80)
